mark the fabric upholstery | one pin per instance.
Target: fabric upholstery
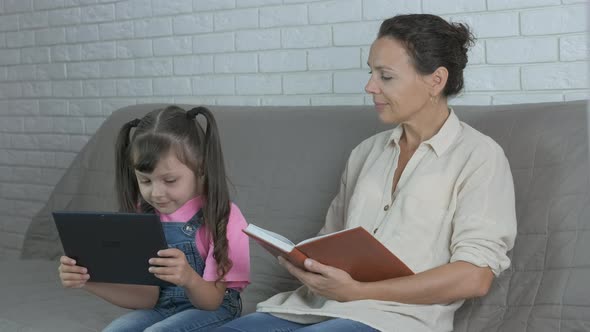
(284, 164)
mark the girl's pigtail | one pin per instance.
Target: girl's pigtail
(217, 207)
(126, 185)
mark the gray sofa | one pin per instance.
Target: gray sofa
(284, 165)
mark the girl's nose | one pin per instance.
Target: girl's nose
(157, 190)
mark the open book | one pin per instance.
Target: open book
(353, 250)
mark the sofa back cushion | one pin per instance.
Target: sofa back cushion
(546, 288)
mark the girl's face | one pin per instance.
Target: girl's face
(399, 92)
(169, 186)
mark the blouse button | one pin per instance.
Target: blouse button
(386, 207)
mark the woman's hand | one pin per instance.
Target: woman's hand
(324, 280)
(71, 275)
(172, 266)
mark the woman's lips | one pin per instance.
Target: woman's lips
(380, 106)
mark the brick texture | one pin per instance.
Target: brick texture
(66, 65)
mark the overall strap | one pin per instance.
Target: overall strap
(193, 224)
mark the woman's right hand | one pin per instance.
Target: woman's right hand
(72, 275)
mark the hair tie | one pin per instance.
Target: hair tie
(192, 113)
(134, 122)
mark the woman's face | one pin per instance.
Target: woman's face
(399, 92)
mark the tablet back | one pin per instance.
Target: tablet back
(114, 247)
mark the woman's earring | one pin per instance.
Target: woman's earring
(434, 100)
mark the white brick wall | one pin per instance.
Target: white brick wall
(66, 65)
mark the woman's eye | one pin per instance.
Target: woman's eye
(144, 181)
(170, 180)
(386, 78)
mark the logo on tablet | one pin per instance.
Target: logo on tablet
(111, 244)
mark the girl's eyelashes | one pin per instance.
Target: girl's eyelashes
(146, 181)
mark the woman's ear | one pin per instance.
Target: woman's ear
(438, 81)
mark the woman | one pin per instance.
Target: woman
(433, 190)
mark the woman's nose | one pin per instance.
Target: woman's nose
(371, 87)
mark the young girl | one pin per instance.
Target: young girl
(172, 167)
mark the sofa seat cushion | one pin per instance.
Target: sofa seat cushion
(34, 300)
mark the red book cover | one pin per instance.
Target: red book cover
(354, 250)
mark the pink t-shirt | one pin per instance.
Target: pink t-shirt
(238, 277)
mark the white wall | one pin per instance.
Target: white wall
(67, 64)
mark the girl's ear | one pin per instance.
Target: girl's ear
(200, 179)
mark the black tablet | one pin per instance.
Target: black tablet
(114, 247)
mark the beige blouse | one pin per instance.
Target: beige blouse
(454, 202)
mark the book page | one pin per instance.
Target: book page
(279, 237)
(271, 237)
(319, 237)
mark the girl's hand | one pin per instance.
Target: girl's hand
(71, 275)
(324, 280)
(173, 267)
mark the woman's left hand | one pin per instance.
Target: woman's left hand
(324, 280)
(172, 266)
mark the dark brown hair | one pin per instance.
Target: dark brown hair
(171, 129)
(432, 42)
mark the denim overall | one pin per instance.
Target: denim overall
(174, 311)
(182, 236)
